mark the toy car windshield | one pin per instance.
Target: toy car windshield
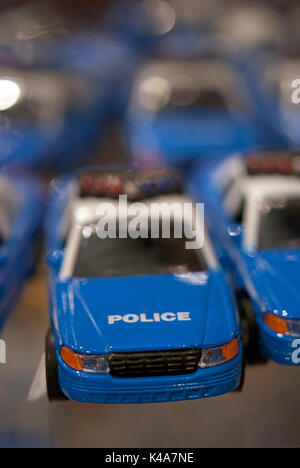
(38, 97)
(280, 224)
(280, 77)
(90, 255)
(133, 257)
(267, 199)
(186, 85)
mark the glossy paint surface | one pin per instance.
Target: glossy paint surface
(59, 144)
(80, 311)
(270, 278)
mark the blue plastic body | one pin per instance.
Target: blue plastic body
(270, 278)
(178, 139)
(38, 146)
(109, 62)
(18, 252)
(182, 136)
(79, 310)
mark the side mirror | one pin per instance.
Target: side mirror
(3, 258)
(55, 259)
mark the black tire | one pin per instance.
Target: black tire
(250, 332)
(53, 388)
(240, 388)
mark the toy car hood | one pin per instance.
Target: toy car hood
(127, 314)
(276, 279)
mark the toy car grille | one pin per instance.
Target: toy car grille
(157, 363)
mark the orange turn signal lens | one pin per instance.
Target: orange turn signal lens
(231, 349)
(72, 359)
(215, 356)
(277, 324)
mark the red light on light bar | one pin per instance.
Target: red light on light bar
(100, 186)
(86, 183)
(270, 164)
(116, 188)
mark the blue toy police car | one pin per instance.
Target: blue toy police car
(48, 118)
(275, 85)
(181, 110)
(254, 212)
(20, 216)
(134, 320)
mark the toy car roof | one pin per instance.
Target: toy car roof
(133, 183)
(48, 88)
(285, 163)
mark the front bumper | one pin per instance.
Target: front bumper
(279, 348)
(96, 388)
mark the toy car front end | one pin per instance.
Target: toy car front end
(277, 304)
(103, 387)
(153, 356)
(134, 320)
(281, 348)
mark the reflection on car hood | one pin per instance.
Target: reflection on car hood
(84, 308)
(277, 281)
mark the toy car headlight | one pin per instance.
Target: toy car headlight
(283, 326)
(216, 356)
(84, 362)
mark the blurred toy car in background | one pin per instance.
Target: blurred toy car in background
(48, 119)
(181, 110)
(152, 22)
(293, 23)
(146, 22)
(24, 27)
(21, 204)
(274, 83)
(134, 320)
(248, 27)
(254, 213)
(109, 62)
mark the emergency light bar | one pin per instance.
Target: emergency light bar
(284, 163)
(134, 184)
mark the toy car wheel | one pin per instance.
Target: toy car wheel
(239, 389)
(53, 388)
(250, 333)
